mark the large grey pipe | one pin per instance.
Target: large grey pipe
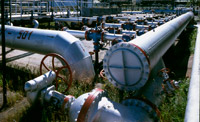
(192, 109)
(48, 41)
(128, 65)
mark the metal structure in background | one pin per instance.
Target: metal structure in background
(49, 41)
(140, 55)
(3, 56)
(20, 7)
(192, 109)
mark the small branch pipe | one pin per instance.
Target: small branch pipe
(76, 33)
(108, 36)
(147, 23)
(105, 36)
(128, 26)
(192, 109)
(140, 55)
(85, 21)
(33, 87)
(48, 41)
(112, 25)
(69, 19)
(36, 23)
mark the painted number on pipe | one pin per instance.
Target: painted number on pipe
(24, 34)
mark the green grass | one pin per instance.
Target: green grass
(13, 97)
(173, 108)
(192, 40)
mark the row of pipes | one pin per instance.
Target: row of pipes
(131, 65)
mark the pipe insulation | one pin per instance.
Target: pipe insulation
(49, 41)
(128, 65)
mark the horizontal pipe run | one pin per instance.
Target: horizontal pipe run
(76, 33)
(156, 42)
(113, 25)
(129, 64)
(192, 109)
(68, 19)
(87, 21)
(108, 36)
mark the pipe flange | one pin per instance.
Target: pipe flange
(86, 35)
(146, 105)
(67, 102)
(126, 66)
(82, 105)
(90, 103)
(103, 25)
(102, 36)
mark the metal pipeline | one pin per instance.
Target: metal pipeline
(48, 41)
(112, 25)
(144, 23)
(95, 106)
(102, 109)
(85, 21)
(127, 26)
(33, 87)
(88, 35)
(36, 23)
(192, 109)
(108, 36)
(128, 65)
(69, 19)
(76, 33)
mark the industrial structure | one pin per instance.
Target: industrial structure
(118, 69)
(133, 44)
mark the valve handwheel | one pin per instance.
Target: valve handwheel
(58, 70)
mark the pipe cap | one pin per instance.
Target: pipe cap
(126, 66)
